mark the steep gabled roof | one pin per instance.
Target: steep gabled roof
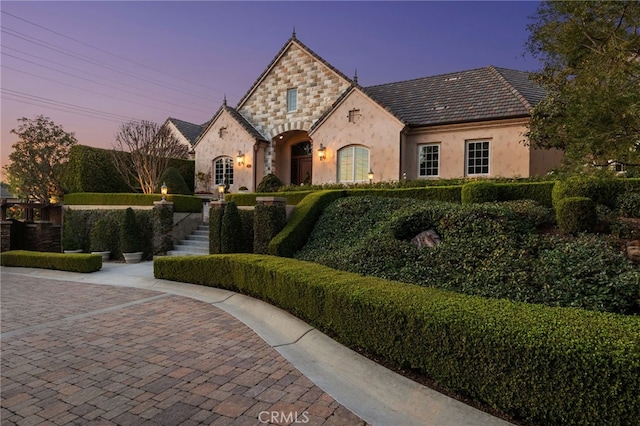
(283, 50)
(255, 134)
(475, 95)
(189, 130)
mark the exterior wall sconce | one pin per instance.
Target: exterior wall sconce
(164, 191)
(370, 175)
(322, 152)
(222, 132)
(240, 159)
(220, 192)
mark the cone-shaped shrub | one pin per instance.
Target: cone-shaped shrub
(231, 233)
(130, 233)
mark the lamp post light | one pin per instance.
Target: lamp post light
(370, 175)
(220, 192)
(164, 190)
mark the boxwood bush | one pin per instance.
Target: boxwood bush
(600, 190)
(231, 230)
(249, 199)
(269, 220)
(576, 214)
(539, 364)
(215, 229)
(629, 204)
(58, 261)
(479, 192)
(181, 203)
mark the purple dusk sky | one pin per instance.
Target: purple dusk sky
(91, 66)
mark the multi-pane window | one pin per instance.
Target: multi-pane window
(353, 164)
(223, 171)
(292, 100)
(478, 158)
(428, 160)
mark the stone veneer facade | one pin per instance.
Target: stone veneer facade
(318, 87)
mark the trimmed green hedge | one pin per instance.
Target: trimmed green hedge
(600, 190)
(432, 193)
(479, 192)
(544, 365)
(576, 214)
(181, 203)
(536, 191)
(91, 170)
(307, 212)
(249, 199)
(62, 262)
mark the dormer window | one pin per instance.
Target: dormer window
(292, 100)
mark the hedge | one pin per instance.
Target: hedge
(307, 212)
(576, 214)
(45, 260)
(432, 193)
(249, 199)
(181, 203)
(479, 192)
(600, 190)
(536, 191)
(91, 170)
(540, 364)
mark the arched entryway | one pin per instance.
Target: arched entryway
(294, 157)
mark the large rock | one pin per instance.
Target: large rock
(428, 238)
(633, 251)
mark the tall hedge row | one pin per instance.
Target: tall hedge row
(91, 170)
(540, 364)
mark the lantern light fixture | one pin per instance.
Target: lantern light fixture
(240, 158)
(370, 175)
(164, 191)
(322, 152)
(221, 192)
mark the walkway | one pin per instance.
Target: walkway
(160, 353)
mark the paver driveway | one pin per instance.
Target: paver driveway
(83, 353)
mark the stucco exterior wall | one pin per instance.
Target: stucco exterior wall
(543, 160)
(318, 88)
(375, 128)
(508, 156)
(211, 146)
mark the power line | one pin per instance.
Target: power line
(88, 90)
(110, 53)
(84, 72)
(105, 85)
(95, 62)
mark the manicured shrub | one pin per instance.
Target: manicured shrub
(541, 365)
(181, 203)
(174, 181)
(270, 183)
(187, 169)
(91, 170)
(76, 229)
(576, 214)
(432, 193)
(269, 220)
(479, 192)
(58, 261)
(249, 199)
(231, 232)
(629, 204)
(600, 190)
(104, 233)
(162, 224)
(130, 235)
(246, 241)
(215, 228)
(536, 191)
(295, 234)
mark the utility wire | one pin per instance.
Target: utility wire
(109, 53)
(83, 72)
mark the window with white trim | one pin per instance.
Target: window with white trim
(429, 160)
(223, 171)
(353, 164)
(477, 158)
(292, 100)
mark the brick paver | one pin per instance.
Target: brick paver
(74, 353)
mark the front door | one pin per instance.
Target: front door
(301, 161)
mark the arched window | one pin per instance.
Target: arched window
(353, 164)
(223, 171)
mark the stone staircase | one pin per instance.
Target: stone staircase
(196, 244)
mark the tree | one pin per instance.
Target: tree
(142, 151)
(38, 158)
(591, 70)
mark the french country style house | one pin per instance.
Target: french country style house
(306, 122)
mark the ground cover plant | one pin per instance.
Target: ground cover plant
(497, 250)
